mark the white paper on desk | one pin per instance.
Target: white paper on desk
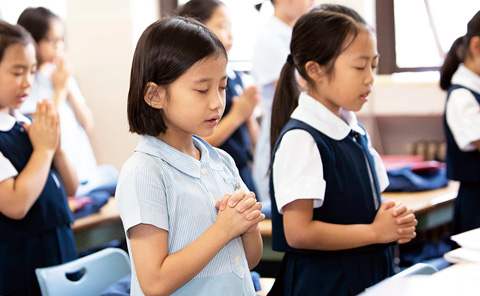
(462, 254)
(470, 247)
(469, 239)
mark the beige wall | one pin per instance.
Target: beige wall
(101, 39)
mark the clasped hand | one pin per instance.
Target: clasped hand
(240, 212)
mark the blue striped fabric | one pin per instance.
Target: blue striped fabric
(163, 187)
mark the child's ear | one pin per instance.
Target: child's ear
(314, 71)
(155, 95)
(475, 46)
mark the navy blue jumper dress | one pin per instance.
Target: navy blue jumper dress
(44, 237)
(238, 145)
(464, 167)
(349, 199)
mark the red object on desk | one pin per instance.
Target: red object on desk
(75, 203)
(416, 163)
(392, 162)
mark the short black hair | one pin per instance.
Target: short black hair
(201, 10)
(164, 52)
(13, 34)
(37, 21)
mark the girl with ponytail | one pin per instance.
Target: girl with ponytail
(326, 179)
(460, 77)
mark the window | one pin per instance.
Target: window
(414, 35)
(245, 23)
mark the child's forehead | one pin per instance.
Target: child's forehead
(209, 68)
(364, 44)
(19, 54)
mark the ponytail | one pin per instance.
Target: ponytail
(284, 101)
(458, 52)
(455, 56)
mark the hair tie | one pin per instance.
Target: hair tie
(290, 59)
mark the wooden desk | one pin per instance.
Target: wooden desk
(98, 229)
(432, 208)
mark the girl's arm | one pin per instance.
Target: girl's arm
(253, 129)
(82, 112)
(160, 273)
(477, 144)
(17, 195)
(302, 232)
(253, 246)
(242, 108)
(59, 81)
(66, 172)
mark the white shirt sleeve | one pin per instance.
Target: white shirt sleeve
(463, 118)
(7, 170)
(298, 170)
(379, 167)
(75, 90)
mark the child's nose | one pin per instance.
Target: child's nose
(218, 101)
(28, 80)
(370, 76)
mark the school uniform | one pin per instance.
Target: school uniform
(238, 145)
(269, 55)
(163, 187)
(75, 141)
(462, 128)
(44, 237)
(336, 167)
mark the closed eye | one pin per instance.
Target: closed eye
(202, 91)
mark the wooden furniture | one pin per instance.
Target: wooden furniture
(432, 208)
(98, 229)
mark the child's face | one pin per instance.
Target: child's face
(221, 25)
(197, 99)
(351, 81)
(294, 8)
(17, 72)
(52, 46)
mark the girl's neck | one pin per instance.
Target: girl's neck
(471, 65)
(183, 143)
(285, 18)
(335, 109)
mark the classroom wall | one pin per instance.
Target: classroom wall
(102, 36)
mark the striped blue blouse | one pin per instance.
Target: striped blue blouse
(170, 190)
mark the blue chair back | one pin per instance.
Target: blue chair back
(96, 272)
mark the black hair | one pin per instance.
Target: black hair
(37, 21)
(259, 5)
(341, 9)
(164, 52)
(318, 36)
(458, 52)
(201, 10)
(13, 34)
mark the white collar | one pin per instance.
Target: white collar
(8, 120)
(315, 114)
(465, 77)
